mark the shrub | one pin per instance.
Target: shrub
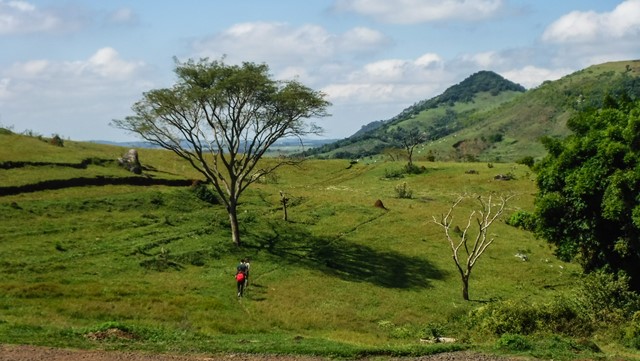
(414, 169)
(523, 220)
(393, 174)
(56, 140)
(528, 161)
(606, 297)
(403, 191)
(523, 318)
(506, 317)
(203, 193)
(632, 332)
(513, 342)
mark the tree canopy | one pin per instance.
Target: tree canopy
(222, 119)
(588, 205)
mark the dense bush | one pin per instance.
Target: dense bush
(523, 318)
(513, 342)
(605, 298)
(393, 174)
(411, 168)
(632, 332)
(529, 161)
(523, 220)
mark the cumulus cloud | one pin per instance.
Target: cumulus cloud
(623, 22)
(390, 81)
(123, 16)
(36, 92)
(420, 11)
(105, 65)
(531, 76)
(304, 45)
(18, 16)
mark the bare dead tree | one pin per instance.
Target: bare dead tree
(470, 245)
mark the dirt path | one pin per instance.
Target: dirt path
(36, 353)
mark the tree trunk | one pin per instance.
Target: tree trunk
(284, 200)
(465, 288)
(233, 219)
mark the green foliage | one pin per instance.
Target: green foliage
(513, 342)
(560, 315)
(394, 173)
(606, 299)
(411, 168)
(528, 160)
(231, 96)
(202, 192)
(522, 219)
(632, 332)
(587, 205)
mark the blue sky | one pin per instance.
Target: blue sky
(70, 67)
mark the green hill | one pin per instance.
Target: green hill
(127, 265)
(488, 118)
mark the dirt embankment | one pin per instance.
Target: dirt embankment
(36, 353)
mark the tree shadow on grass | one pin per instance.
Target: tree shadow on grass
(344, 259)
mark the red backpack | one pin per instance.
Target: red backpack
(240, 276)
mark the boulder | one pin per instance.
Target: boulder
(130, 161)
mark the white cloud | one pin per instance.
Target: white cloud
(531, 76)
(22, 17)
(80, 96)
(305, 45)
(419, 11)
(390, 81)
(123, 16)
(588, 27)
(107, 63)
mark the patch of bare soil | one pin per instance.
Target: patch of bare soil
(37, 353)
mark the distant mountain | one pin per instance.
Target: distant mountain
(489, 118)
(278, 145)
(438, 116)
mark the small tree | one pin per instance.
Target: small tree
(408, 140)
(472, 246)
(222, 119)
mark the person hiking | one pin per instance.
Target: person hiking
(241, 276)
(246, 272)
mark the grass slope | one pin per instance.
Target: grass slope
(340, 278)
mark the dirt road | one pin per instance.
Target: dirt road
(36, 353)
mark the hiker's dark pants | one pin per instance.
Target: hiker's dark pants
(240, 287)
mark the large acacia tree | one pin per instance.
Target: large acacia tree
(222, 119)
(588, 205)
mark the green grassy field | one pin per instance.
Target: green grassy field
(340, 278)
